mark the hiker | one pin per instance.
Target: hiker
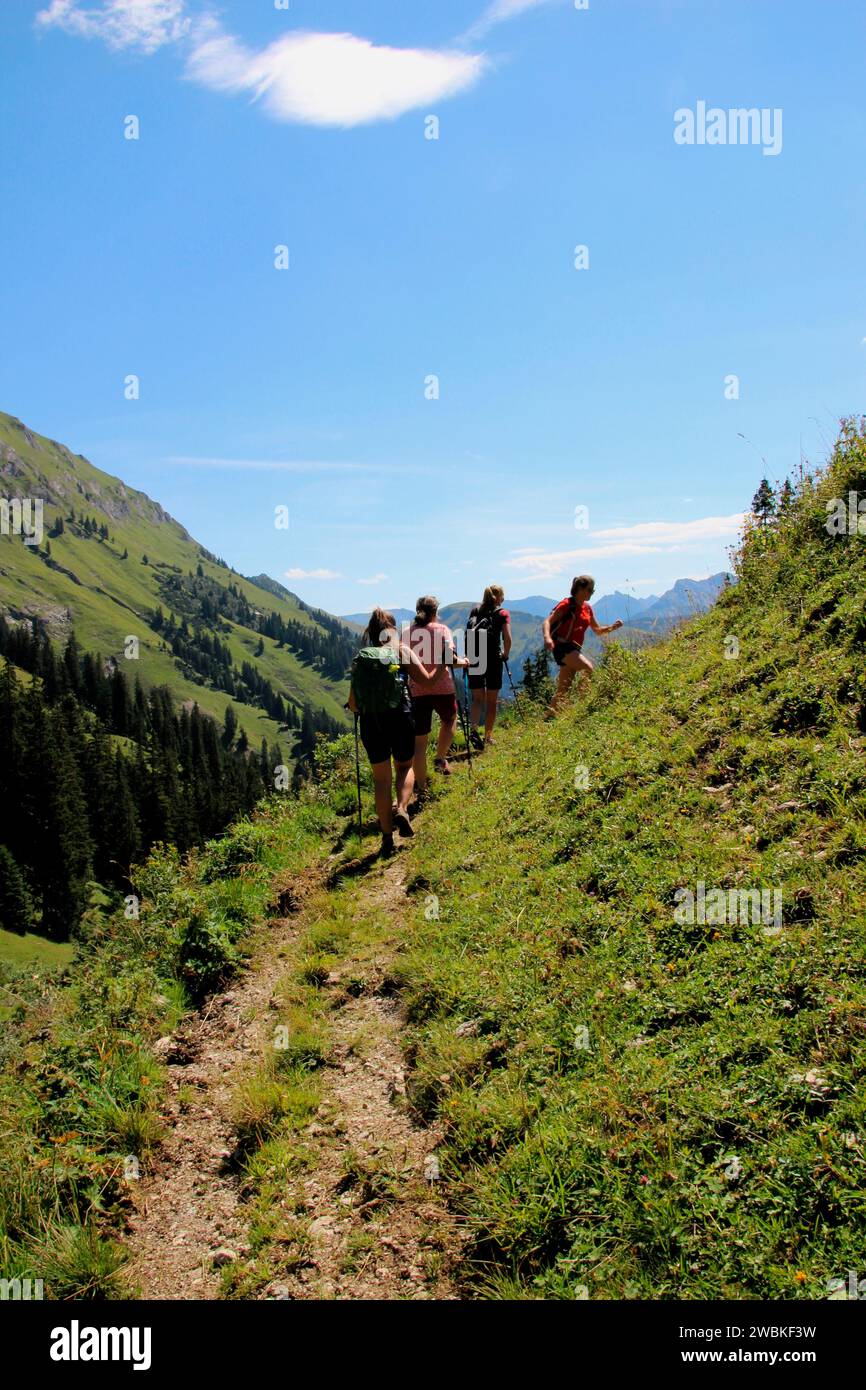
(490, 653)
(431, 641)
(379, 698)
(564, 631)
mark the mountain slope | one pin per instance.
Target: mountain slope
(642, 1096)
(107, 580)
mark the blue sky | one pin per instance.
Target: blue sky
(559, 388)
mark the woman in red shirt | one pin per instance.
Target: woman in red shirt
(564, 632)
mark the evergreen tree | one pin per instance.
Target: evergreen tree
(764, 503)
(230, 726)
(14, 901)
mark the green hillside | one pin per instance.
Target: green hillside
(637, 1105)
(94, 579)
(632, 1097)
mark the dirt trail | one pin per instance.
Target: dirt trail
(383, 1232)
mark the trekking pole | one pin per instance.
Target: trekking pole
(465, 717)
(517, 705)
(358, 776)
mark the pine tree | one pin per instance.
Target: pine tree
(14, 901)
(764, 503)
(230, 726)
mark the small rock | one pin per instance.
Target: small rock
(223, 1256)
(469, 1029)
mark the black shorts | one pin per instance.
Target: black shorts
(425, 706)
(562, 649)
(491, 678)
(387, 736)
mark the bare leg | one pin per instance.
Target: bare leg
(382, 789)
(477, 706)
(405, 784)
(490, 720)
(421, 761)
(573, 665)
(446, 737)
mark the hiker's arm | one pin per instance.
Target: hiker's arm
(545, 632)
(603, 631)
(453, 659)
(417, 670)
(506, 639)
(351, 703)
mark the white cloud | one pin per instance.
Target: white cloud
(677, 532)
(315, 79)
(278, 465)
(498, 11)
(312, 574)
(645, 538)
(331, 79)
(143, 24)
(374, 579)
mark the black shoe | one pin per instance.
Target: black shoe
(387, 848)
(403, 824)
(477, 741)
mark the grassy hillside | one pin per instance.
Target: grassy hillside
(637, 1106)
(633, 1103)
(87, 584)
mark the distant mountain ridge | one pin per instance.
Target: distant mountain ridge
(644, 618)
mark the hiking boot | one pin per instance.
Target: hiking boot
(441, 765)
(403, 824)
(477, 741)
(387, 848)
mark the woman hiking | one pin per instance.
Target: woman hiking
(490, 651)
(432, 643)
(379, 697)
(564, 631)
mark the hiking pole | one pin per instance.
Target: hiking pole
(517, 705)
(358, 776)
(465, 717)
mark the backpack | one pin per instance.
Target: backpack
(488, 622)
(376, 680)
(566, 618)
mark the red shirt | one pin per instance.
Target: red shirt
(571, 626)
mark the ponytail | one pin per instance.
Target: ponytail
(426, 609)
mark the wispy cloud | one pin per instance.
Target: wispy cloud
(614, 542)
(312, 574)
(143, 24)
(374, 579)
(281, 465)
(498, 11)
(313, 78)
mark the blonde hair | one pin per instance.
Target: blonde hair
(493, 596)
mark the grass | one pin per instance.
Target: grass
(644, 1107)
(635, 1104)
(80, 1087)
(36, 951)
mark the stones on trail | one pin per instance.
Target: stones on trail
(224, 1256)
(275, 1293)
